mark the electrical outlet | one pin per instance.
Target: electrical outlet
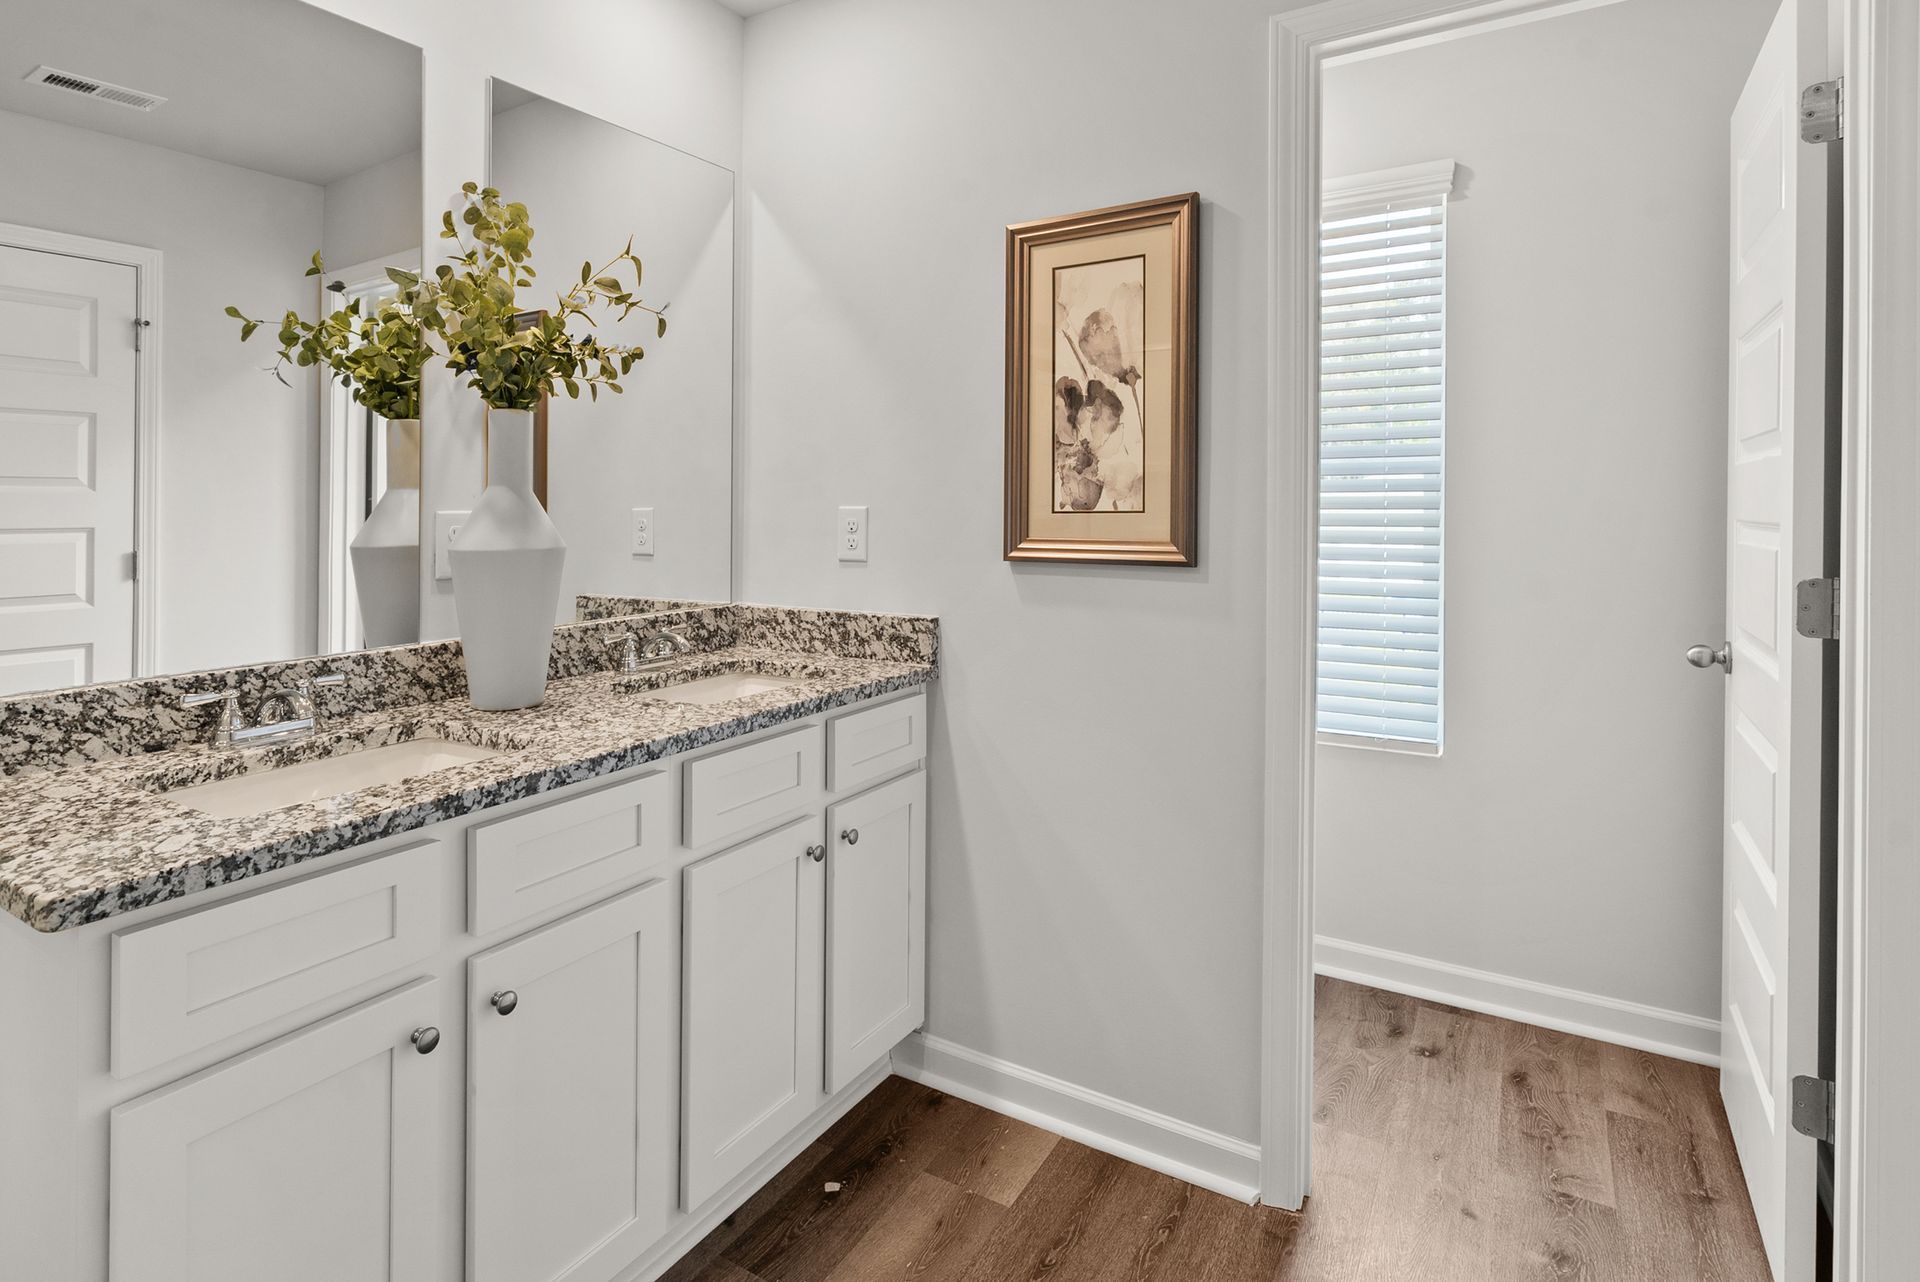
(850, 535)
(445, 526)
(643, 531)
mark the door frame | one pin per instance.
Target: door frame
(337, 613)
(146, 264)
(1882, 232)
(1877, 1168)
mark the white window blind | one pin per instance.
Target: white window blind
(1382, 431)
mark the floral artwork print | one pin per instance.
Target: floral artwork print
(1099, 424)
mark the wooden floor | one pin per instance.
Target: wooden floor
(1447, 1145)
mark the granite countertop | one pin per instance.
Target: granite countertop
(93, 841)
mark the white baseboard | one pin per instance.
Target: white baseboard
(1139, 1135)
(1605, 1019)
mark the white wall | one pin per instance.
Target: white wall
(670, 69)
(237, 450)
(1570, 833)
(667, 441)
(1095, 861)
(373, 213)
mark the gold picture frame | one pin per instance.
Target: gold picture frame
(1103, 385)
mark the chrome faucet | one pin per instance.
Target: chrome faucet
(634, 653)
(234, 730)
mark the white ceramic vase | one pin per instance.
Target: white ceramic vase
(506, 574)
(386, 551)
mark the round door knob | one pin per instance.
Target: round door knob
(817, 853)
(505, 1001)
(425, 1039)
(851, 836)
(1705, 656)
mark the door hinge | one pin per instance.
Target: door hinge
(138, 326)
(1820, 119)
(1813, 1107)
(1816, 608)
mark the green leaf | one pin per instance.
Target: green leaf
(235, 313)
(660, 331)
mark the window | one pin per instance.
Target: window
(1382, 430)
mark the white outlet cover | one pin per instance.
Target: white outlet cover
(643, 531)
(850, 534)
(445, 526)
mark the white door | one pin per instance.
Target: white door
(67, 398)
(1770, 924)
(312, 1159)
(751, 1003)
(876, 925)
(570, 1160)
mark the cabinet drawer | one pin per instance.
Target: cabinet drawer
(875, 742)
(733, 792)
(192, 980)
(543, 857)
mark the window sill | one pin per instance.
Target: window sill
(1370, 743)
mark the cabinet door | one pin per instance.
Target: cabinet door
(569, 1105)
(311, 1159)
(751, 1004)
(876, 924)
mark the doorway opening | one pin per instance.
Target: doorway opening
(1568, 317)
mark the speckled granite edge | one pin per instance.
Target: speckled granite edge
(59, 729)
(90, 843)
(590, 607)
(850, 634)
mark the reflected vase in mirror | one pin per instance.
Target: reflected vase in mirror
(386, 551)
(506, 563)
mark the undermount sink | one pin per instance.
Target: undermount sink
(238, 796)
(723, 687)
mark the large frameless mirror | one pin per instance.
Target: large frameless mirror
(639, 484)
(166, 504)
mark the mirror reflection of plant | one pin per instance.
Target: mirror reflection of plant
(377, 357)
(471, 305)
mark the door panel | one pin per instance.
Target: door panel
(570, 1161)
(312, 1158)
(876, 925)
(1776, 413)
(751, 1004)
(67, 413)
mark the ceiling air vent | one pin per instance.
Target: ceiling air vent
(88, 87)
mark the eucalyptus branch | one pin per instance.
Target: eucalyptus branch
(377, 357)
(471, 306)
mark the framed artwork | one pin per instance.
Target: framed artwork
(1102, 384)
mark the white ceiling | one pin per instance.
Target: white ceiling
(747, 8)
(273, 85)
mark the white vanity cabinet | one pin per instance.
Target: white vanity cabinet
(307, 1160)
(876, 860)
(569, 1070)
(752, 999)
(655, 988)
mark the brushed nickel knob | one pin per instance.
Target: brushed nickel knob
(425, 1039)
(505, 1001)
(1705, 656)
(851, 836)
(817, 853)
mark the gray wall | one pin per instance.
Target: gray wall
(1095, 861)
